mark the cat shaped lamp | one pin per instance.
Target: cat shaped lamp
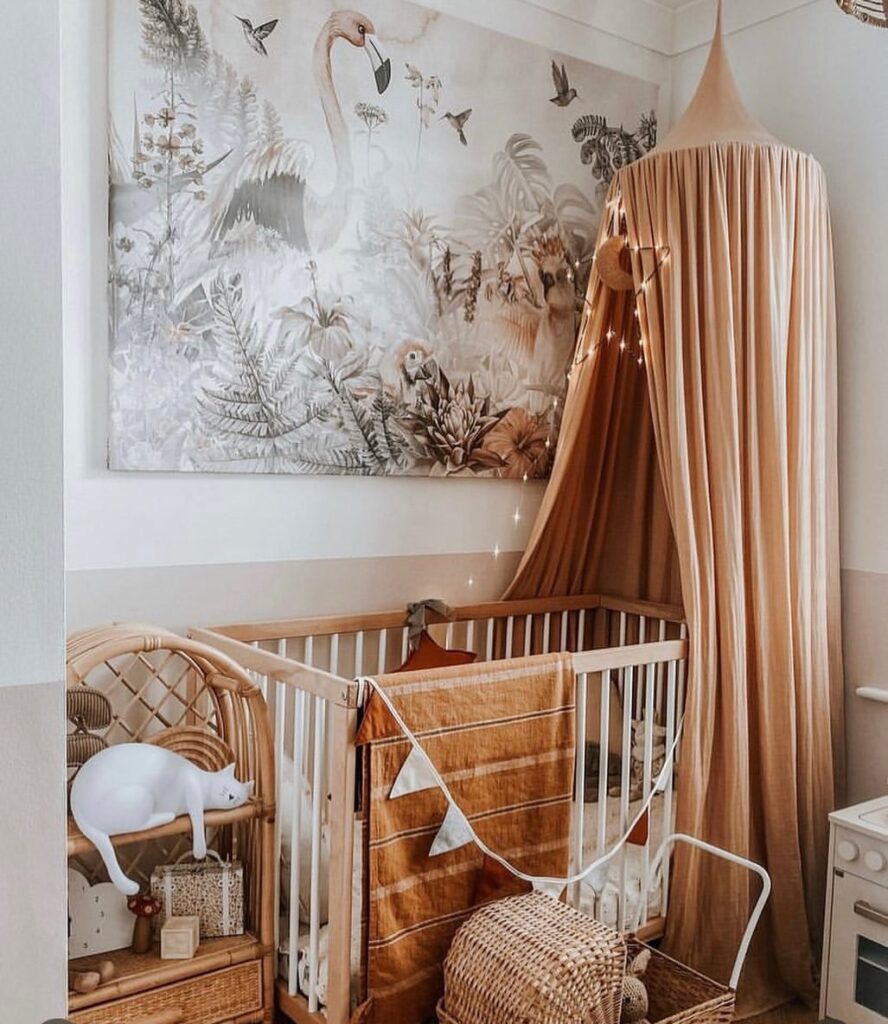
(132, 787)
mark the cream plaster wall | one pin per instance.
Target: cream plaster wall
(32, 866)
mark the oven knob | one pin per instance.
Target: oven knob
(874, 860)
(847, 850)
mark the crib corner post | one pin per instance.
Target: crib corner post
(342, 834)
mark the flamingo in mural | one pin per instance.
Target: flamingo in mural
(272, 188)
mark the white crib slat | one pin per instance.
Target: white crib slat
(448, 635)
(383, 635)
(603, 757)
(334, 654)
(470, 635)
(314, 905)
(547, 629)
(359, 654)
(295, 832)
(647, 781)
(579, 782)
(668, 810)
(639, 692)
(581, 630)
(405, 643)
(488, 650)
(565, 619)
(622, 643)
(625, 783)
(528, 634)
(510, 633)
(660, 706)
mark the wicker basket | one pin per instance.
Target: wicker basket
(679, 995)
(532, 959)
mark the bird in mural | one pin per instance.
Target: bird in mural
(458, 122)
(565, 94)
(539, 330)
(256, 36)
(271, 186)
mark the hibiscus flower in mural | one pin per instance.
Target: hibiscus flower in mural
(519, 445)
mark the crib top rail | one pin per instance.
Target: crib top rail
(277, 629)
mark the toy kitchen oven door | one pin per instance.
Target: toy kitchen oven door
(855, 954)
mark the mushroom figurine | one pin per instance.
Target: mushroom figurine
(146, 908)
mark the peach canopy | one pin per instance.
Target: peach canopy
(700, 462)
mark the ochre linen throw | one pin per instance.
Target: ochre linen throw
(502, 736)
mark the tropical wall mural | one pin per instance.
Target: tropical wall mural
(349, 241)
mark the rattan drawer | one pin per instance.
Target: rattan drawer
(214, 998)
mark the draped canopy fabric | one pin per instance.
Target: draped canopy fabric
(718, 456)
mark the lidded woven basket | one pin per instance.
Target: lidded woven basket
(533, 960)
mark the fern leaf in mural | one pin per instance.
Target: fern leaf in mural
(255, 400)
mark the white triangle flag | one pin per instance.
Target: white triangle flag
(415, 775)
(553, 889)
(454, 833)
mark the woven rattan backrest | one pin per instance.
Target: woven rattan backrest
(870, 12)
(179, 693)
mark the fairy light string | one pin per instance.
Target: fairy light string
(629, 339)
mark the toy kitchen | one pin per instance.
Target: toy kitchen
(855, 955)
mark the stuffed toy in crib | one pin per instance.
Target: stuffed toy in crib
(635, 997)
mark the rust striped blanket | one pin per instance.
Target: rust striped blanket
(502, 736)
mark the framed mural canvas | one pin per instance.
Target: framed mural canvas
(349, 241)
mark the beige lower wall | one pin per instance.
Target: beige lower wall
(33, 879)
(188, 595)
(865, 642)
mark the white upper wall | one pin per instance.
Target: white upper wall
(117, 520)
(818, 80)
(31, 586)
(794, 59)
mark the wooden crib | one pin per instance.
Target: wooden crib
(630, 664)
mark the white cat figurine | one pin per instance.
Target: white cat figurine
(136, 786)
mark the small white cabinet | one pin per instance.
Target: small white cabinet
(855, 949)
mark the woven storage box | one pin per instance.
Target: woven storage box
(533, 960)
(212, 890)
(678, 995)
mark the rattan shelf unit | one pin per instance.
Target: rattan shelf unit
(180, 693)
